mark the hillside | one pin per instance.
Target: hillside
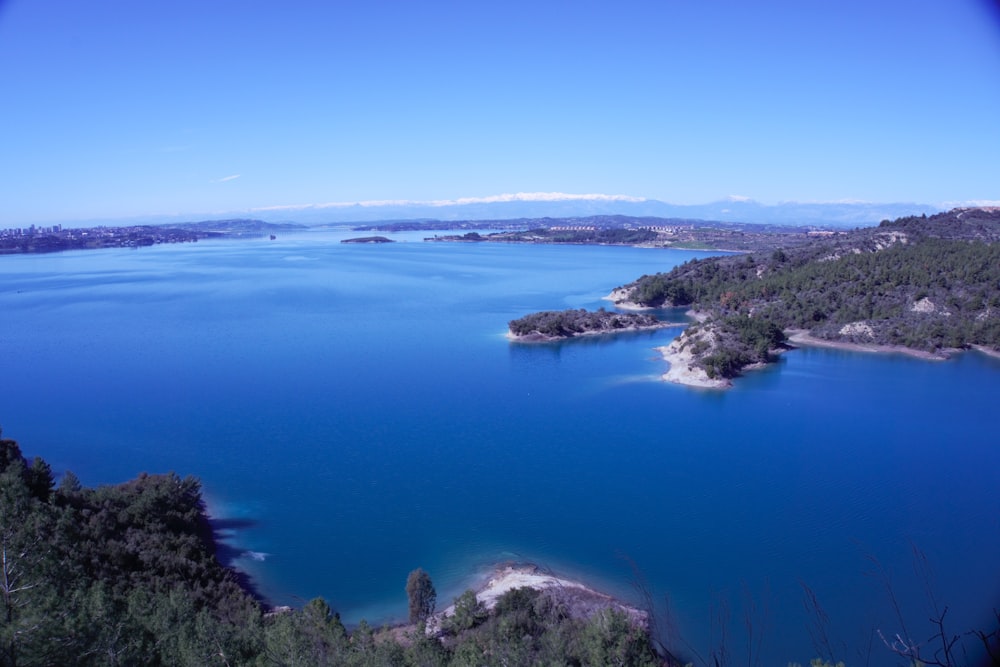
(127, 574)
(929, 284)
(646, 231)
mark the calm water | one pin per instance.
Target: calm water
(355, 412)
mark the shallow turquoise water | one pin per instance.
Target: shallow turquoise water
(355, 412)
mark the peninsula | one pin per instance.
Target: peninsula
(558, 324)
(928, 286)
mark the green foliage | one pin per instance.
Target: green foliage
(724, 363)
(125, 575)
(608, 638)
(469, 612)
(312, 636)
(527, 628)
(421, 595)
(115, 575)
(661, 290)
(738, 341)
(566, 323)
(873, 276)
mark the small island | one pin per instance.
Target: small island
(552, 325)
(368, 239)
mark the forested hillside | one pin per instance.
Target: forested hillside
(127, 575)
(929, 284)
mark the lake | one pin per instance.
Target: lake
(355, 412)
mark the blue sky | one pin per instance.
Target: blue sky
(113, 109)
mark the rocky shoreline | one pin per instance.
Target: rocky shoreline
(577, 599)
(683, 370)
(805, 338)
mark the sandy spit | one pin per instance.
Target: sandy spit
(619, 297)
(803, 337)
(581, 601)
(682, 369)
(987, 351)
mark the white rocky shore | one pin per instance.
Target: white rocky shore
(579, 600)
(678, 353)
(803, 337)
(681, 359)
(620, 297)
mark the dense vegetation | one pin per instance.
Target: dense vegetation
(568, 323)
(126, 575)
(114, 575)
(924, 283)
(738, 342)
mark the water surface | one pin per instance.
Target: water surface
(354, 412)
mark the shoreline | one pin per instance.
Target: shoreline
(995, 354)
(802, 337)
(680, 360)
(619, 297)
(683, 372)
(580, 600)
(542, 338)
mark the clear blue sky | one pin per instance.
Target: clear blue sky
(121, 108)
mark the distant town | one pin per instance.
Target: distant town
(600, 229)
(55, 238)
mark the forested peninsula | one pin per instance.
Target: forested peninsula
(127, 574)
(558, 324)
(927, 285)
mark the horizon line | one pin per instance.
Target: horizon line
(505, 198)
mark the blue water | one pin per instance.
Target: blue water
(355, 412)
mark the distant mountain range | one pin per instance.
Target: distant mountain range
(848, 214)
(558, 205)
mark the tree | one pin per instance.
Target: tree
(469, 612)
(610, 638)
(421, 594)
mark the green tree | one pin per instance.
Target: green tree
(469, 612)
(421, 594)
(610, 638)
(29, 571)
